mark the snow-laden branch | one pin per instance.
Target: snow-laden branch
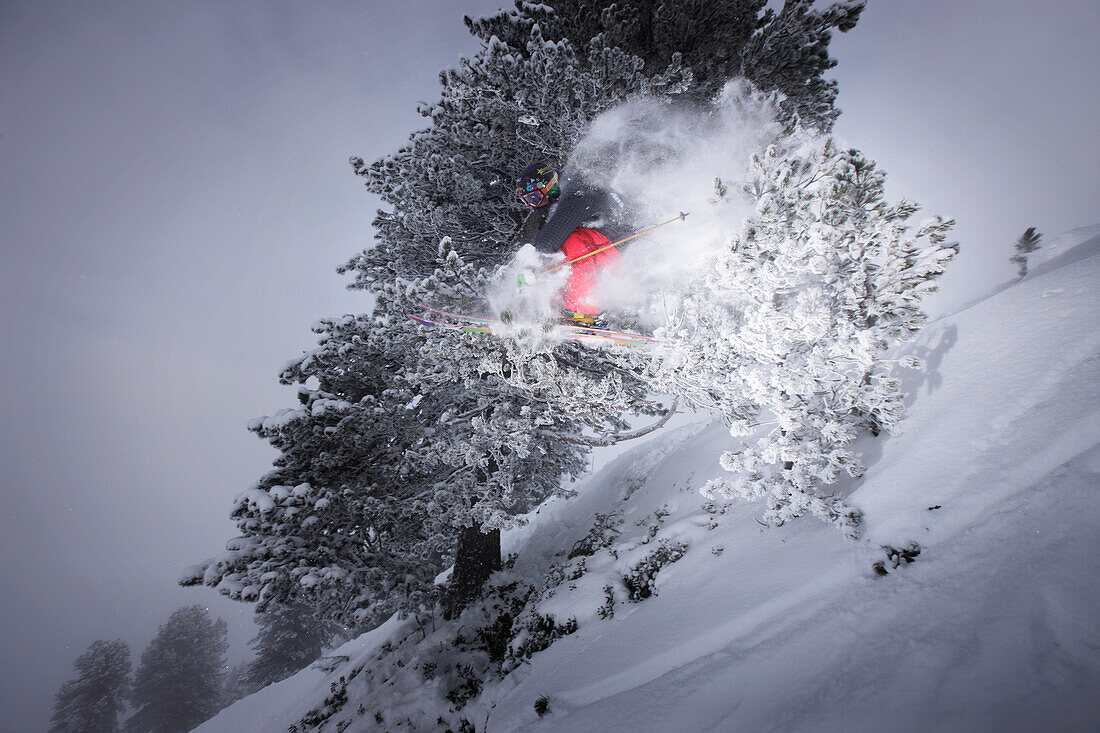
(618, 437)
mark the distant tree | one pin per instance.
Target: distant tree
(1025, 245)
(291, 636)
(92, 702)
(234, 687)
(179, 682)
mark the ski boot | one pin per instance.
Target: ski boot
(596, 321)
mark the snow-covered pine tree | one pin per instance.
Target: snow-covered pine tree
(377, 475)
(508, 105)
(784, 51)
(516, 420)
(789, 54)
(1025, 245)
(179, 682)
(453, 182)
(348, 521)
(92, 702)
(291, 636)
(397, 449)
(341, 522)
(785, 332)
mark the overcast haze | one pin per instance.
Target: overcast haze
(175, 196)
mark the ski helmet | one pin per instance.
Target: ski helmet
(537, 185)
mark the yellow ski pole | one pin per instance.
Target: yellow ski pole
(681, 217)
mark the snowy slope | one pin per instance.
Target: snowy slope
(278, 705)
(992, 627)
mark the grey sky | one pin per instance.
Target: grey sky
(985, 112)
(174, 197)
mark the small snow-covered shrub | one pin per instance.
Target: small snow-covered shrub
(607, 610)
(535, 634)
(896, 558)
(334, 703)
(559, 573)
(640, 582)
(502, 607)
(604, 531)
(652, 523)
(469, 686)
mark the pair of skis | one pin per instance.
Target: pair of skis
(478, 324)
(434, 317)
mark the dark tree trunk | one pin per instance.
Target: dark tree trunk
(477, 557)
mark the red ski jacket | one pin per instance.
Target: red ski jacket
(580, 294)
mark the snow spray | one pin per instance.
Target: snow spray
(660, 157)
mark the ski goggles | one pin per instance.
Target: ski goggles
(535, 196)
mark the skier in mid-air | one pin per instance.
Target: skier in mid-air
(578, 219)
(575, 218)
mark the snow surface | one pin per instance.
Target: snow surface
(992, 627)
